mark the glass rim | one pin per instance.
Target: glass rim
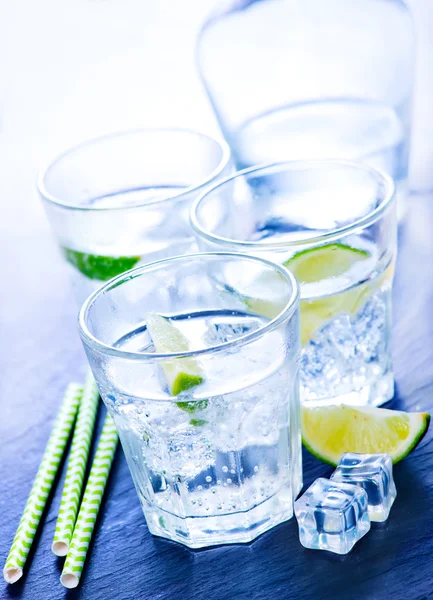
(331, 235)
(53, 199)
(95, 344)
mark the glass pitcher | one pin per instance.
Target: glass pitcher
(292, 79)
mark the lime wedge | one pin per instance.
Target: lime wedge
(311, 266)
(329, 431)
(101, 268)
(181, 373)
(325, 262)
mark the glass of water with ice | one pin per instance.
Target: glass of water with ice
(124, 199)
(333, 224)
(204, 392)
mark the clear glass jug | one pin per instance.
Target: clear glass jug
(302, 79)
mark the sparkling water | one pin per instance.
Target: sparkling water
(217, 463)
(336, 128)
(372, 472)
(123, 230)
(348, 360)
(345, 325)
(332, 516)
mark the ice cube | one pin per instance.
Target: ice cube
(332, 516)
(189, 452)
(371, 329)
(225, 330)
(372, 472)
(348, 353)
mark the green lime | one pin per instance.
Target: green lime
(329, 431)
(181, 373)
(101, 268)
(319, 264)
(309, 267)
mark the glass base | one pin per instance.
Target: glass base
(236, 528)
(376, 393)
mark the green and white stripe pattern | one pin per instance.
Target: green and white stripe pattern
(90, 506)
(76, 470)
(43, 484)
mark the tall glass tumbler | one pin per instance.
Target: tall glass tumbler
(216, 456)
(124, 199)
(312, 79)
(333, 224)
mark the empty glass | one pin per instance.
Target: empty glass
(332, 223)
(124, 199)
(205, 393)
(312, 79)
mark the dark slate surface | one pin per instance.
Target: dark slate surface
(40, 353)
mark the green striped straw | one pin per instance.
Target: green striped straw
(42, 484)
(90, 506)
(76, 470)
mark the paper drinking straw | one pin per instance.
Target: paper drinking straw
(89, 509)
(42, 484)
(76, 470)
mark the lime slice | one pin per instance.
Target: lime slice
(318, 264)
(330, 431)
(323, 262)
(181, 373)
(101, 268)
(311, 266)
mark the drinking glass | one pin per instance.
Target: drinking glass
(312, 79)
(124, 199)
(220, 460)
(332, 223)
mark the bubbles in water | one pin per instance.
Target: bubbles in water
(348, 353)
(198, 470)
